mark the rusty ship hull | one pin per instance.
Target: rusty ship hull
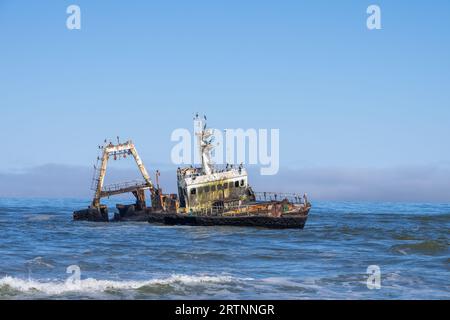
(283, 222)
(293, 220)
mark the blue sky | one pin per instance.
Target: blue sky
(341, 95)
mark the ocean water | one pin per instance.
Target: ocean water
(326, 260)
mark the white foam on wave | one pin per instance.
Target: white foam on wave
(95, 285)
(39, 217)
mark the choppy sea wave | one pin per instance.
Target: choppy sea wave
(11, 286)
(326, 260)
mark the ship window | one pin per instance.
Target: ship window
(213, 188)
(231, 185)
(207, 189)
(242, 183)
(193, 191)
(219, 187)
(225, 185)
(200, 190)
(236, 184)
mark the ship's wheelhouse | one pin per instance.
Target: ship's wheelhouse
(208, 186)
(206, 191)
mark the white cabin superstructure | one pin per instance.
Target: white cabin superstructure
(206, 187)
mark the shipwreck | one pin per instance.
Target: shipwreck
(208, 195)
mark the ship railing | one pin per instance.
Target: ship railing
(215, 211)
(124, 185)
(232, 210)
(242, 209)
(277, 196)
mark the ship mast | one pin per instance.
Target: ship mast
(204, 143)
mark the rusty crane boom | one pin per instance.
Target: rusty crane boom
(96, 210)
(115, 151)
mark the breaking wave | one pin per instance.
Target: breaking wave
(12, 285)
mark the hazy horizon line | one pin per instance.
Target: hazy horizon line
(412, 184)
